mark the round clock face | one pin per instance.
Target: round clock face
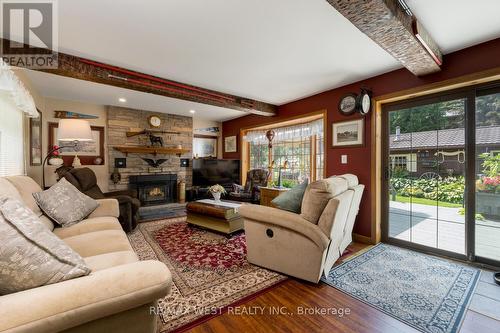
(347, 104)
(155, 121)
(365, 104)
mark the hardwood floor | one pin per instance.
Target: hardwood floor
(293, 297)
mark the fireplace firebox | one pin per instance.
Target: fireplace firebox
(155, 189)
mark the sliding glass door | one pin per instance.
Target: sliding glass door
(442, 182)
(487, 165)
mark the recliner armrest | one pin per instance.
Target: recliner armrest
(107, 207)
(285, 219)
(59, 306)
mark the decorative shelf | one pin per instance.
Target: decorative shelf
(151, 150)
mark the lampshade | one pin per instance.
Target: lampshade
(74, 130)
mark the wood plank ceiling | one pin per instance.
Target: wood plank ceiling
(390, 24)
(93, 71)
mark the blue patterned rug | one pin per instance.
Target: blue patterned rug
(425, 292)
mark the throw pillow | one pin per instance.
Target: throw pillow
(31, 255)
(291, 200)
(65, 204)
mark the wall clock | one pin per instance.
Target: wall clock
(154, 121)
(365, 102)
(347, 105)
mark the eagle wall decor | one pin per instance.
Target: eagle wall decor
(154, 163)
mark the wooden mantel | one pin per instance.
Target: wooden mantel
(151, 150)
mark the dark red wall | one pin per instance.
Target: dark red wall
(474, 59)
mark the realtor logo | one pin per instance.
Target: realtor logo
(29, 33)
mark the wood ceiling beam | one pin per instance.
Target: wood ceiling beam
(396, 30)
(93, 71)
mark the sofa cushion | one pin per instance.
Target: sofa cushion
(8, 189)
(89, 225)
(31, 255)
(291, 200)
(47, 222)
(317, 196)
(112, 259)
(26, 187)
(99, 242)
(65, 204)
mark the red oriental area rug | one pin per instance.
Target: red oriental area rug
(209, 271)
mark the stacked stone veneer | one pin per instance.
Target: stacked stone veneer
(121, 120)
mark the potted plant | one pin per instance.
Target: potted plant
(217, 190)
(55, 157)
(488, 187)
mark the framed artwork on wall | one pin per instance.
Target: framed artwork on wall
(230, 144)
(36, 140)
(348, 133)
(204, 146)
(89, 152)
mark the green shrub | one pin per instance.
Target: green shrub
(288, 183)
(449, 189)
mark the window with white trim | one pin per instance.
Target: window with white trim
(11, 138)
(406, 162)
(301, 146)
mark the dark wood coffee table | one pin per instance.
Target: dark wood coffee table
(220, 216)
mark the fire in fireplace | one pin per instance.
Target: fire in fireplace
(155, 189)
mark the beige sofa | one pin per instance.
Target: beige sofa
(286, 242)
(116, 297)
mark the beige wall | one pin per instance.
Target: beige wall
(34, 172)
(47, 106)
(203, 123)
(52, 105)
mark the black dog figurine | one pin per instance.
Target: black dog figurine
(156, 141)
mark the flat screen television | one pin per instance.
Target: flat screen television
(209, 171)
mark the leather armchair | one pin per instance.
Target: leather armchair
(256, 178)
(84, 179)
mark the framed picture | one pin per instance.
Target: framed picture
(86, 151)
(230, 144)
(36, 140)
(348, 133)
(204, 146)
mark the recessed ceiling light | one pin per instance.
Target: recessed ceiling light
(122, 100)
(192, 111)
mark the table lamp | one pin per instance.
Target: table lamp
(73, 131)
(285, 166)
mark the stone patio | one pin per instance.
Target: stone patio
(442, 228)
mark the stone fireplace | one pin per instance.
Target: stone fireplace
(154, 189)
(121, 120)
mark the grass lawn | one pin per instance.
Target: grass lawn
(424, 201)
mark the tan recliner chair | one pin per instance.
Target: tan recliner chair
(305, 245)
